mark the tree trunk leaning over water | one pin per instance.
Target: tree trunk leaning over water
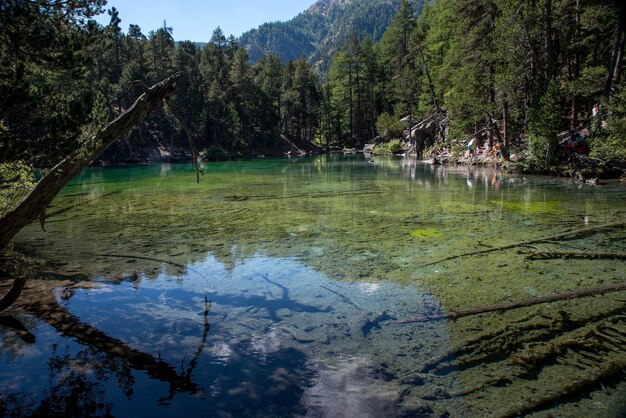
(35, 204)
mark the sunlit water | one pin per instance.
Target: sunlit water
(273, 288)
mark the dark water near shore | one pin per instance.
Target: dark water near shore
(273, 287)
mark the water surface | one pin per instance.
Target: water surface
(273, 287)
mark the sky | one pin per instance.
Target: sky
(195, 20)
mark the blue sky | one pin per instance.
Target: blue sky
(195, 20)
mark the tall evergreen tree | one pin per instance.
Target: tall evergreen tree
(46, 97)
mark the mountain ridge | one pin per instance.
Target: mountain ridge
(322, 30)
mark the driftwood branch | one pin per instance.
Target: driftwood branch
(563, 235)
(192, 144)
(520, 304)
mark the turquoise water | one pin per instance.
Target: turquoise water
(273, 288)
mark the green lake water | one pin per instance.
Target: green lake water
(273, 288)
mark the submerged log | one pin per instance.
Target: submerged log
(502, 307)
(563, 235)
(39, 300)
(551, 255)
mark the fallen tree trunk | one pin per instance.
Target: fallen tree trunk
(569, 234)
(35, 204)
(501, 307)
(13, 294)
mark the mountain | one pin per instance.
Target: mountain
(319, 32)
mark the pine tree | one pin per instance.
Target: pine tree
(45, 93)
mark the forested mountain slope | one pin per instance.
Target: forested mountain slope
(319, 32)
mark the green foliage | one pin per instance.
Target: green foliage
(486, 63)
(388, 148)
(214, 153)
(546, 123)
(610, 142)
(395, 41)
(389, 126)
(45, 90)
(589, 84)
(16, 181)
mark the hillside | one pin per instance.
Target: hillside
(319, 32)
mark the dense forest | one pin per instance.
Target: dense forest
(515, 73)
(512, 73)
(76, 80)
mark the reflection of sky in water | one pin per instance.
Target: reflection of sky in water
(283, 340)
(305, 271)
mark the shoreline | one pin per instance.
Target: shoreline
(579, 167)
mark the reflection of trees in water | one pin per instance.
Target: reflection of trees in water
(247, 386)
(72, 392)
(14, 335)
(80, 382)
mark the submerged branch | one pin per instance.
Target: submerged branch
(192, 144)
(17, 327)
(540, 255)
(593, 377)
(68, 325)
(501, 307)
(79, 204)
(563, 235)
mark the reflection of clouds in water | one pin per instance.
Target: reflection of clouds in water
(346, 388)
(266, 344)
(369, 288)
(262, 309)
(222, 352)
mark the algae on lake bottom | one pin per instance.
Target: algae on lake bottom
(314, 260)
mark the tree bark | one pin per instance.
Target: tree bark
(192, 144)
(35, 204)
(614, 70)
(548, 41)
(506, 130)
(431, 86)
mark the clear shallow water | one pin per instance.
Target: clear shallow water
(273, 286)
